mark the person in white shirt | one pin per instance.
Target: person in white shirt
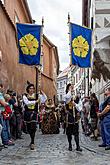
(30, 113)
(42, 97)
(42, 101)
(72, 116)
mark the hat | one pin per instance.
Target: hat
(9, 91)
(13, 93)
(29, 85)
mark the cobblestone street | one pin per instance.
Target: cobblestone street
(53, 150)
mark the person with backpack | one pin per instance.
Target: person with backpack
(4, 118)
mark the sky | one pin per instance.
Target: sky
(55, 13)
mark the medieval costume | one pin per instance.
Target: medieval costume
(41, 113)
(42, 97)
(30, 113)
(93, 115)
(49, 123)
(16, 117)
(72, 116)
(63, 118)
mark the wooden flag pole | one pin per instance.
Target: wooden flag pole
(41, 57)
(38, 69)
(36, 82)
(69, 42)
(70, 51)
(69, 38)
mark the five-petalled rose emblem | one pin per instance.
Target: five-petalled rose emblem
(80, 46)
(29, 44)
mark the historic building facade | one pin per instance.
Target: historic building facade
(62, 81)
(99, 20)
(101, 36)
(77, 77)
(15, 75)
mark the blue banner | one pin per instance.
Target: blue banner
(81, 45)
(29, 43)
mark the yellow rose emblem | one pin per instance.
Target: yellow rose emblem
(80, 46)
(29, 44)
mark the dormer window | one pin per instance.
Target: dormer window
(16, 18)
(3, 1)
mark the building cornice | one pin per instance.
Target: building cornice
(47, 76)
(102, 11)
(26, 10)
(47, 41)
(57, 59)
(7, 15)
(61, 78)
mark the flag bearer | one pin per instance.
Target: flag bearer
(30, 113)
(72, 116)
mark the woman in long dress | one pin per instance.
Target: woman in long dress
(49, 123)
(93, 115)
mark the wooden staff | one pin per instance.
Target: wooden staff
(39, 68)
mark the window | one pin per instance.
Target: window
(64, 82)
(54, 72)
(16, 18)
(42, 61)
(3, 1)
(92, 22)
(76, 78)
(109, 43)
(60, 97)
(57, 85)
(0, 55)
(80, 73)
(60, 84)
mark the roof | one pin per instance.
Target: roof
(25, 6)
(5, 11)
(30, 18)
(64, 72)
(28, 10)
(48, 41)
(104, 37)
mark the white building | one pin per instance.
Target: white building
(100, 11)
(78, 77)
(61, 84)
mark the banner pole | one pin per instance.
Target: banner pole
(70, 54)
(41, 58)
(69, 38)
(36, 82)
(39, 68)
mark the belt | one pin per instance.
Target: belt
(30, 110)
